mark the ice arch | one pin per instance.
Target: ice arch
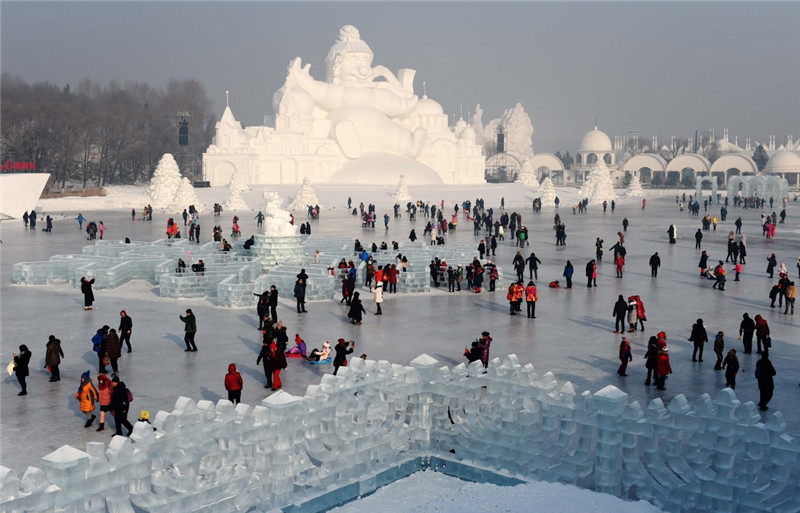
(655, 163)
(547, 160)
(699, 186)
(689, 160)
(743, 163)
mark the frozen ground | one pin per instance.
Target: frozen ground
(572, 336)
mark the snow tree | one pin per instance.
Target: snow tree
(184, 197)
(599, 186)
(305, 196)
(165, 182)
(401, 193)
(235, 200)
(547, 193)
(635, 187)
(527, 177)
(237, 182)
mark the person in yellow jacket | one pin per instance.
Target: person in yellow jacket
(530, 299)
(87, 395)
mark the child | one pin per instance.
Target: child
(554, 285)
(299, 349)
(738, 270)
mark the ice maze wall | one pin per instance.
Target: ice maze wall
(376, 421)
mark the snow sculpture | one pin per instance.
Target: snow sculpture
(761, 186)
(635, 187)
(184, 197)
(518, 131)
(235, 200)
(277, 221)
(364, 103)
(305, 196)
(165, 182)
(527, 176)
(401, 193)
(360, 119)
(547, 193)
(238, 183)
(598, 186)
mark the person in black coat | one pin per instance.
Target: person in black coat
(620, 311)
(262, 308)
(88, 295)
(272, 302)
(21, 362)
(698, 238)
(651, 357)
(356, 310)
(342, 350)
(655, 263)
(120, 406)
(300, 294)
(698, 337)
(764, 373)
(264, 356)
(746, 330)
(533, 266)
(703, 264)
(125, 327)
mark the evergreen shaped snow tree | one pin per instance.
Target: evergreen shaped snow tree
(635, 187)
(599, 187)
(165, 182)
(401, 193)
(237, 182)
(185, 197)
(305, 196)
(547, 193)
(235, 200)
(527, 177)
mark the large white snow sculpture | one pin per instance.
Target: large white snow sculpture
(547, 193)
(277, 221)
(305, 196)
(185, 197)
(359, 111)
(401, 193)
(598, 186)
(165, 182)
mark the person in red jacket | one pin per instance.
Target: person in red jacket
(530, 299)
(233, 384)
(762, 334)
(662, 365)
(624, 356)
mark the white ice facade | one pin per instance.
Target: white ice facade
(377, 422)
(362, 124)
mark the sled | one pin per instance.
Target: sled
(294, 355)
(326, 361)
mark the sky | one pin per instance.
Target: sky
(656, 68)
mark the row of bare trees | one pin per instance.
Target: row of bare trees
(98, 135)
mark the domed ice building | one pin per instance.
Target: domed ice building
(595, 146)
(786, 164)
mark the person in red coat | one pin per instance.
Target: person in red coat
(625, 356)
(393, 272)
(662, 365)
(233, 384)
(277, 362)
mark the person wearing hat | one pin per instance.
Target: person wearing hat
(625, 356)
(120, 406)
(343, 348)
(233, 384)
(87, 395)
(320, 354)
(663, 367)
(485, 342)
(190, 328)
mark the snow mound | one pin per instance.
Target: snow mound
(165, 183)
(305, 196)
(185, 197)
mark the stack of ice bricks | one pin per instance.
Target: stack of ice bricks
(271, 250)
(331, 445)
(320, 285)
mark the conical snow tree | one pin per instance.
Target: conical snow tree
(235, 200)
(635, 188)
(401, 193)
(547, 193)
(305, 196)
(528, 178)
(165, 182)
(185, 197)
(599, 187)
(237, 182)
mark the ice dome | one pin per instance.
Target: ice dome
(428, 107)
(595, 140)
(376, 167)
(783, 162)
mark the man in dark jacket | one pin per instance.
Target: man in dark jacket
(655, 263)
(533, 265)
(120, 406)
(190, 329)
(698, 238)
(620, 311)
(273, 303)
(746, 330)
(698, 338)
(300, 295)
(766, 386)
(125, 327)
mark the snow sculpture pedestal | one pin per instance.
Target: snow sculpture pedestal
(275, 249)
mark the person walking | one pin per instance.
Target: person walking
(264, 356)
(719, 347)
(120, 405)
(530, 299)
(104, 389)
(655, 263)
(766, 385)
(731, 366)
(698, 337)
(625, 356)
(772, 263)
(277, 359)
(300, 295)
(125, 327)
(533, 266)
(698, 238)
(356, 309)
(113, 350)
(663, 368)
(378, 291)
(233, 384)
(52, 358)
(568, 271)
(99, 347)
(763, 341)
(21, 362)
(633, 313)
(272, 302)
(343, 348)
(651, 358)
(746, 329)
(591, 273)
(87, 396)
(791, 294)
(619, 312)
(88, 295)
(190, 329)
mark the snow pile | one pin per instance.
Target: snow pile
(432, 491)
(401, 193)
(305, 196)
(635, 188)
(235, 200)
(547, 193)
(165, 183)
(184, 197)
(598, 186)
(527, 176)
(238, 183)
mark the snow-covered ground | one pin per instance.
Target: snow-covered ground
(572, 335)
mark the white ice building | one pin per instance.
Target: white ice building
(362, 124)
(595, 146)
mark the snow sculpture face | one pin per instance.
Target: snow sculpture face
(354, 68)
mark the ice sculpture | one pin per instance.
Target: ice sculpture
(277, 221)
(635, 187)
(598, 187)
(165, 182)
(185, 197)
(235, 200)
(401, 193)
(305, 196)
(238, 183)
(528, 178)
(547, 192)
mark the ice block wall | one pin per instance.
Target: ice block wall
(375, 417)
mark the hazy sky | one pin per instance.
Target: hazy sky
(656, 68)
